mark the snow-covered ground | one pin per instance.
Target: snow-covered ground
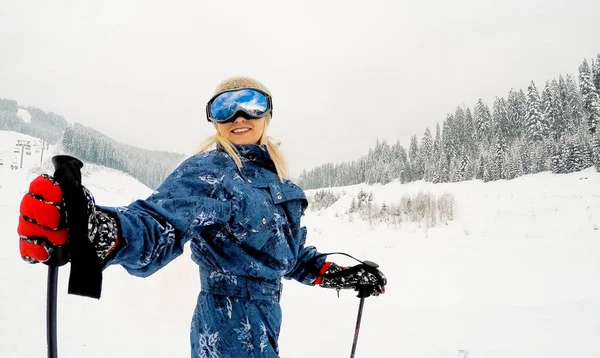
(515, 275)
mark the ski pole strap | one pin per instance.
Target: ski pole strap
(314, 259)
(86, 273)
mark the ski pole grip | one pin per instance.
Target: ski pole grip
(66, 171)
(363, 291)
(86, 274)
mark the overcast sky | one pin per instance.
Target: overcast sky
(343, 73)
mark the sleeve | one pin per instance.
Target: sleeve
(308, 265)
(153, 232)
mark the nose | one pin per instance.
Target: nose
(239, 119)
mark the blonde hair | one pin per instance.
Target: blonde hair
(272, 146)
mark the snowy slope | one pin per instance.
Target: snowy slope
(24, 115)
(526, 207)
(515, 275)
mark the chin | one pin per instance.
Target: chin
(244, 141)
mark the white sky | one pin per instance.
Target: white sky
(343, 73)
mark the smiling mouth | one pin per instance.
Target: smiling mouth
(241, 130)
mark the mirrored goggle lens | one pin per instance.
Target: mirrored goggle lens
(252, 102)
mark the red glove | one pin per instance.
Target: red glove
(42, 225)
(42, 220)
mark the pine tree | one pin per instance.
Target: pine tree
(500, 159)
(547, 105)
(404, 166)
(449, 142)
(464, 170)
(353, 206)
(426, 153)
(436, 155)
(517, 113)
(517, 167)
(437, 142)
(487, 172)
(537, 127)
(469, 132)
(415, 163)
(596, 150)
(459, 129)
(480, 168)
(575, 113)
(501, 121)
(555, 163)
(588, 153)
(563, 99)
(577, 157)
(596, 74)
(442, 173)
(483, 121)
(591, 100)
(524, 151)
(554, 110)
(566, 156)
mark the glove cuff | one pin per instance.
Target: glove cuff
(322, 271)
(102, 229)
(106, 237)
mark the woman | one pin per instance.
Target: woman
(238, 211)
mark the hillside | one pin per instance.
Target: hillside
(513, 275)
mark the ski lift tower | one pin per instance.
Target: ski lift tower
(23, 144)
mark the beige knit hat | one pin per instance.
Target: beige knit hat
(240, 82)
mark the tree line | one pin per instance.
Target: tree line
(525, 132)
(44, 125)
(150, 167)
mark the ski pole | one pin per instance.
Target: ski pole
(51, 312)
(363, 292)
(67, 174)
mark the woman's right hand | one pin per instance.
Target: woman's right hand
(42, 220)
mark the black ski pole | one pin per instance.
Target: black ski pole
(67, 174)
(51, 312)
(363, 292)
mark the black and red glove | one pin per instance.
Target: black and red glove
(365, 276)
(43, 224)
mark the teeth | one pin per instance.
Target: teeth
(240, 130)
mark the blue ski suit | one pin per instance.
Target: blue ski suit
(244, 229)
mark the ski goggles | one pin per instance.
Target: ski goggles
(250, 103)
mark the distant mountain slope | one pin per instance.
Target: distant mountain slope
(148, 166)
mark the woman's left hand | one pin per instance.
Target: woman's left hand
(364, 276)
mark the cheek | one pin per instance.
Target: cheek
(222, 129)
(261, 126)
